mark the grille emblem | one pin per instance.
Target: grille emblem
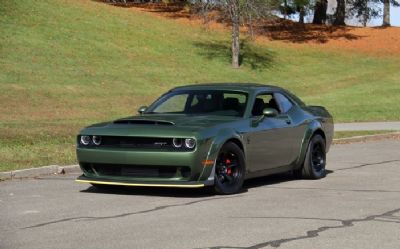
(160, 143)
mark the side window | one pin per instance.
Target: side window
(262, 101)
(283, 102)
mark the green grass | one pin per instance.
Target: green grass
(66, 64)
(347, 134)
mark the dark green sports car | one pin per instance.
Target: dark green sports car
(208, 135)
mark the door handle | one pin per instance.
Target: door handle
(288, 121)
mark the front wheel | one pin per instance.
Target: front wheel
(315, 161)
(229, 169)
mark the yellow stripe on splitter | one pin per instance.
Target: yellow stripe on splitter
(143, 184)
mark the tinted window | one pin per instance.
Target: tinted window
(265, 100)
(283, 102)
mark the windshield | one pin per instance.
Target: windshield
(225, 103)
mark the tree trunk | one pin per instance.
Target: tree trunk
(285, 6)
(340, 13)
(321, 6)
(250, 24)
(301, 15)
(234, 12)
(365, 20)
(386, 13)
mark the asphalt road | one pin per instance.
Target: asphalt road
(356, 206)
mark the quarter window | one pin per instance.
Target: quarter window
(283, 102)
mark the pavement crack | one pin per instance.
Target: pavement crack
(287, 217)
(158, 208)
(368, 164)
(316, 232)
(389, 221)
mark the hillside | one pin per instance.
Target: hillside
(372, 41)
(67, 63)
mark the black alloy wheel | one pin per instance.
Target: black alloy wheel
(229, 169)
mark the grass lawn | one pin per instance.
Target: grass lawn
(65, 64)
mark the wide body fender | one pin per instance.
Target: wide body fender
(313, 127)
(222, 137)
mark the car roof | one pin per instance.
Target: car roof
(244, 87)
(228, 86)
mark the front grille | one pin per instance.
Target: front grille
(136, 142)
(158, 143)
(140, 171)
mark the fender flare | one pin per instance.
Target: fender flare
(313, 127)
(222, 137)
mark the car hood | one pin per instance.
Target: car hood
(158, 125)
(194, 121)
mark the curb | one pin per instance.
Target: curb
(365, 138)
(35, 172)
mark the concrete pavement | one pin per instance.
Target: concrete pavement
(368, 126)
(356, 206)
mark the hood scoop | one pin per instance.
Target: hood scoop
(142, 122)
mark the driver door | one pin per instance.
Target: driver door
(269, 143)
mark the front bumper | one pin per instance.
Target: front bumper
(148, 167)
(168, 184)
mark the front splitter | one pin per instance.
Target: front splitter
(83, 179)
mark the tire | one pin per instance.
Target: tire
(315, 161)
(230, 170)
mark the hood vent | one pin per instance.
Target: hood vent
(142, 122)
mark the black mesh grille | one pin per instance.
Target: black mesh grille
(136, 142)
(156, 143)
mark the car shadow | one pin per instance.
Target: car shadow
(152, 191)
(190, 193)
(272, 180)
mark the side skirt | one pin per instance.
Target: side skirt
(266, 172)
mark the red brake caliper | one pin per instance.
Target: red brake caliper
(228, 170)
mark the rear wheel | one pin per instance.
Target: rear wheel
(229, 169)
(315, 161)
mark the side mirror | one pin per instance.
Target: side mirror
(270, 112)
(142, 109)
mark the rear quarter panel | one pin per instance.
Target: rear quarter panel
(315, 118)
(326, 121)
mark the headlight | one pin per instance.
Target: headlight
(190, 143)
(177, 142)
(96, 140)
(85, 140)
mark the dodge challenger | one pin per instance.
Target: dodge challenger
(213, 135)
